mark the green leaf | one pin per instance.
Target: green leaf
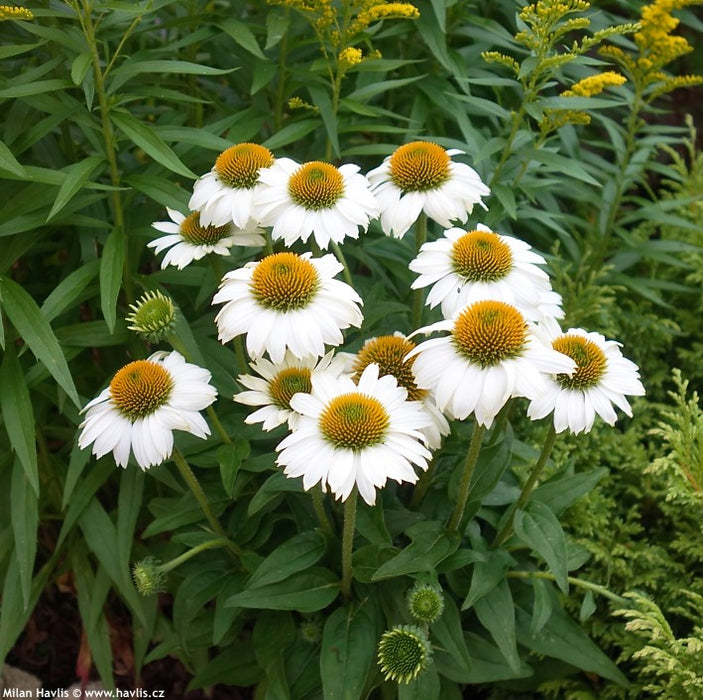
(486, 575)
(38, 87)
(291, 133)
(559, 494)
(321, 100)
(111, 265)
(79, 67)
(101, 537)
(540, 530)
(9, 162)
(276, 27)
(76, 176)
(430, 545)
(24, 513)
(92, 595)
(487, 664)
(449, 634)
(296, 554)
(306, 591)
(425, 687)
(563, 639)
(146, 138)
(35, 330)
(83, 493)
(160, 189)
(241, 33)
(496, 612)
(129, 505)
(18, 415)
(135, 66)
(348, 651)
(542, 607)
(13, 613)
(273, 634)
(230, 458)
(68, 290)
(276, 484)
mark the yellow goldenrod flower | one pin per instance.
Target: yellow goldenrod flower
(594, 84)
(349, 57)
(383, 10)
(8, 12)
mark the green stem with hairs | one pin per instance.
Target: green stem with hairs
(469, 465)
(340, 256)
(579, 583)
(347, 542)
(529, 486)
(210, 544)
(423, 484)
(197, 490)
(86, 20)
(419, 294)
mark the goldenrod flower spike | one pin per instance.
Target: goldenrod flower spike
(594, 84)
(8, 12)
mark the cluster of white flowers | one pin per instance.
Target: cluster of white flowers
(359, 420)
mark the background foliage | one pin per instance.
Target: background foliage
(113, 108)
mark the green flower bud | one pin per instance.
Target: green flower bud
(311, 630)
(148, 576)
(403, 653)
(153, 316)
(425, 602)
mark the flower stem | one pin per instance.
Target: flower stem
(419, 294)
(86, 20)
(210, 544)
(529, 486)
(463, 495)
(319, 506)
(578, 582)
(347, 542)
(423, 484)
(201, 498)
(340, 256)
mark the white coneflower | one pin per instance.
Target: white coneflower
(189, 240)
(146, 401)
(603, 377)
(489, 355)
(314, 198)
(390, 353)
(277, 384)
(287, 302)
(355, 435)
(421, 176)
(467, 266)
(226, 193)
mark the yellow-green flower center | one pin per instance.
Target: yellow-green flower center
(354, 421)
(419, 166)
(140, 388)
(389, 352)
(239, 165)
(488, 332)
(316, 185)
(284, 281)
(287, 383)
(153, 316)
(403, 653)
(481, 256)
(191, 231)
(589, 358)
